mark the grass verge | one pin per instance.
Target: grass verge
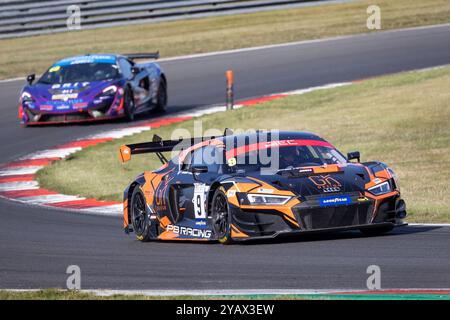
(22, 56)
(402, 119)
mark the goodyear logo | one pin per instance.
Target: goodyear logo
(334, 201)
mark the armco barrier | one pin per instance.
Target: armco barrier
(32, 17)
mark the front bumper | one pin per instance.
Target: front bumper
(310, 217)
(293, 233)
(101, 111)
(30, 118)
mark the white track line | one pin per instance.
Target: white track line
(429, 224)
(19, 171)
(51, 198)
(115, 209)
(51, 153)
(120, 133)
(327, 86)
(19, 186)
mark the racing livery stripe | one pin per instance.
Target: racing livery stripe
(281, 143)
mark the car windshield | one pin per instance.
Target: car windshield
(84, 72)
(285, 158)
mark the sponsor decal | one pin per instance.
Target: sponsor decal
(45, 107)
(63, 107)
(264, 190)
(198, 200)
(334, 201)
(70, 85)
(231, 193)
(190, 232)
(79, 105)
(54, 69)
(65, 96)
(200, 222)
(326, 183)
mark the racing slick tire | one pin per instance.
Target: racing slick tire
(161, 103)
(378, 231)
(129, 105)
(140, 219)
(221, 216)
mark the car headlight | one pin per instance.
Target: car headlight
(381, 188)
(266, 199)
(109, 91)
(26, 97)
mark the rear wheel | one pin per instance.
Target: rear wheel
(129, 105)
(376, 231)
(221, 216)
(139, 217)
(161, 104)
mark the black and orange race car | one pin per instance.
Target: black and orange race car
(264, 184)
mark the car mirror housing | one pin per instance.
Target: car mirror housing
(354, 155)
(135, 70)
(30, 78)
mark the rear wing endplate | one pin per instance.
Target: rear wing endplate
(150, 55)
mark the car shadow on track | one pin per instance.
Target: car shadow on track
(342, 235)
(300, 238)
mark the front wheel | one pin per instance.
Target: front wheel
(221, 216)
(139, 216)
(129, 105)
(161, 104)
(376, 231)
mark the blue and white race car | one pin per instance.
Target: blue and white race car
(94, 87)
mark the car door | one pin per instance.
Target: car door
(190, 192)
(136, 80)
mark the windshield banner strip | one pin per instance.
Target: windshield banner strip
(275, 144)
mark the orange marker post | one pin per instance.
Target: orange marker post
(230, 94)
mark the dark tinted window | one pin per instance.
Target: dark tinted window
(84, 72)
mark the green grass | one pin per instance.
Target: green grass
(22, 56)
(54, 294)
(57, 294)
(402, 119)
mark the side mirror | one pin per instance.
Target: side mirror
(135, 70)
(30, 78)
(354, 155)
(199, 168)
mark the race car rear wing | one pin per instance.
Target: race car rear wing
(158, 146)
(150, 55)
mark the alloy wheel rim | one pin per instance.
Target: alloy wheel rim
(139, 214)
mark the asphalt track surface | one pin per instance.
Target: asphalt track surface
(37, 245)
